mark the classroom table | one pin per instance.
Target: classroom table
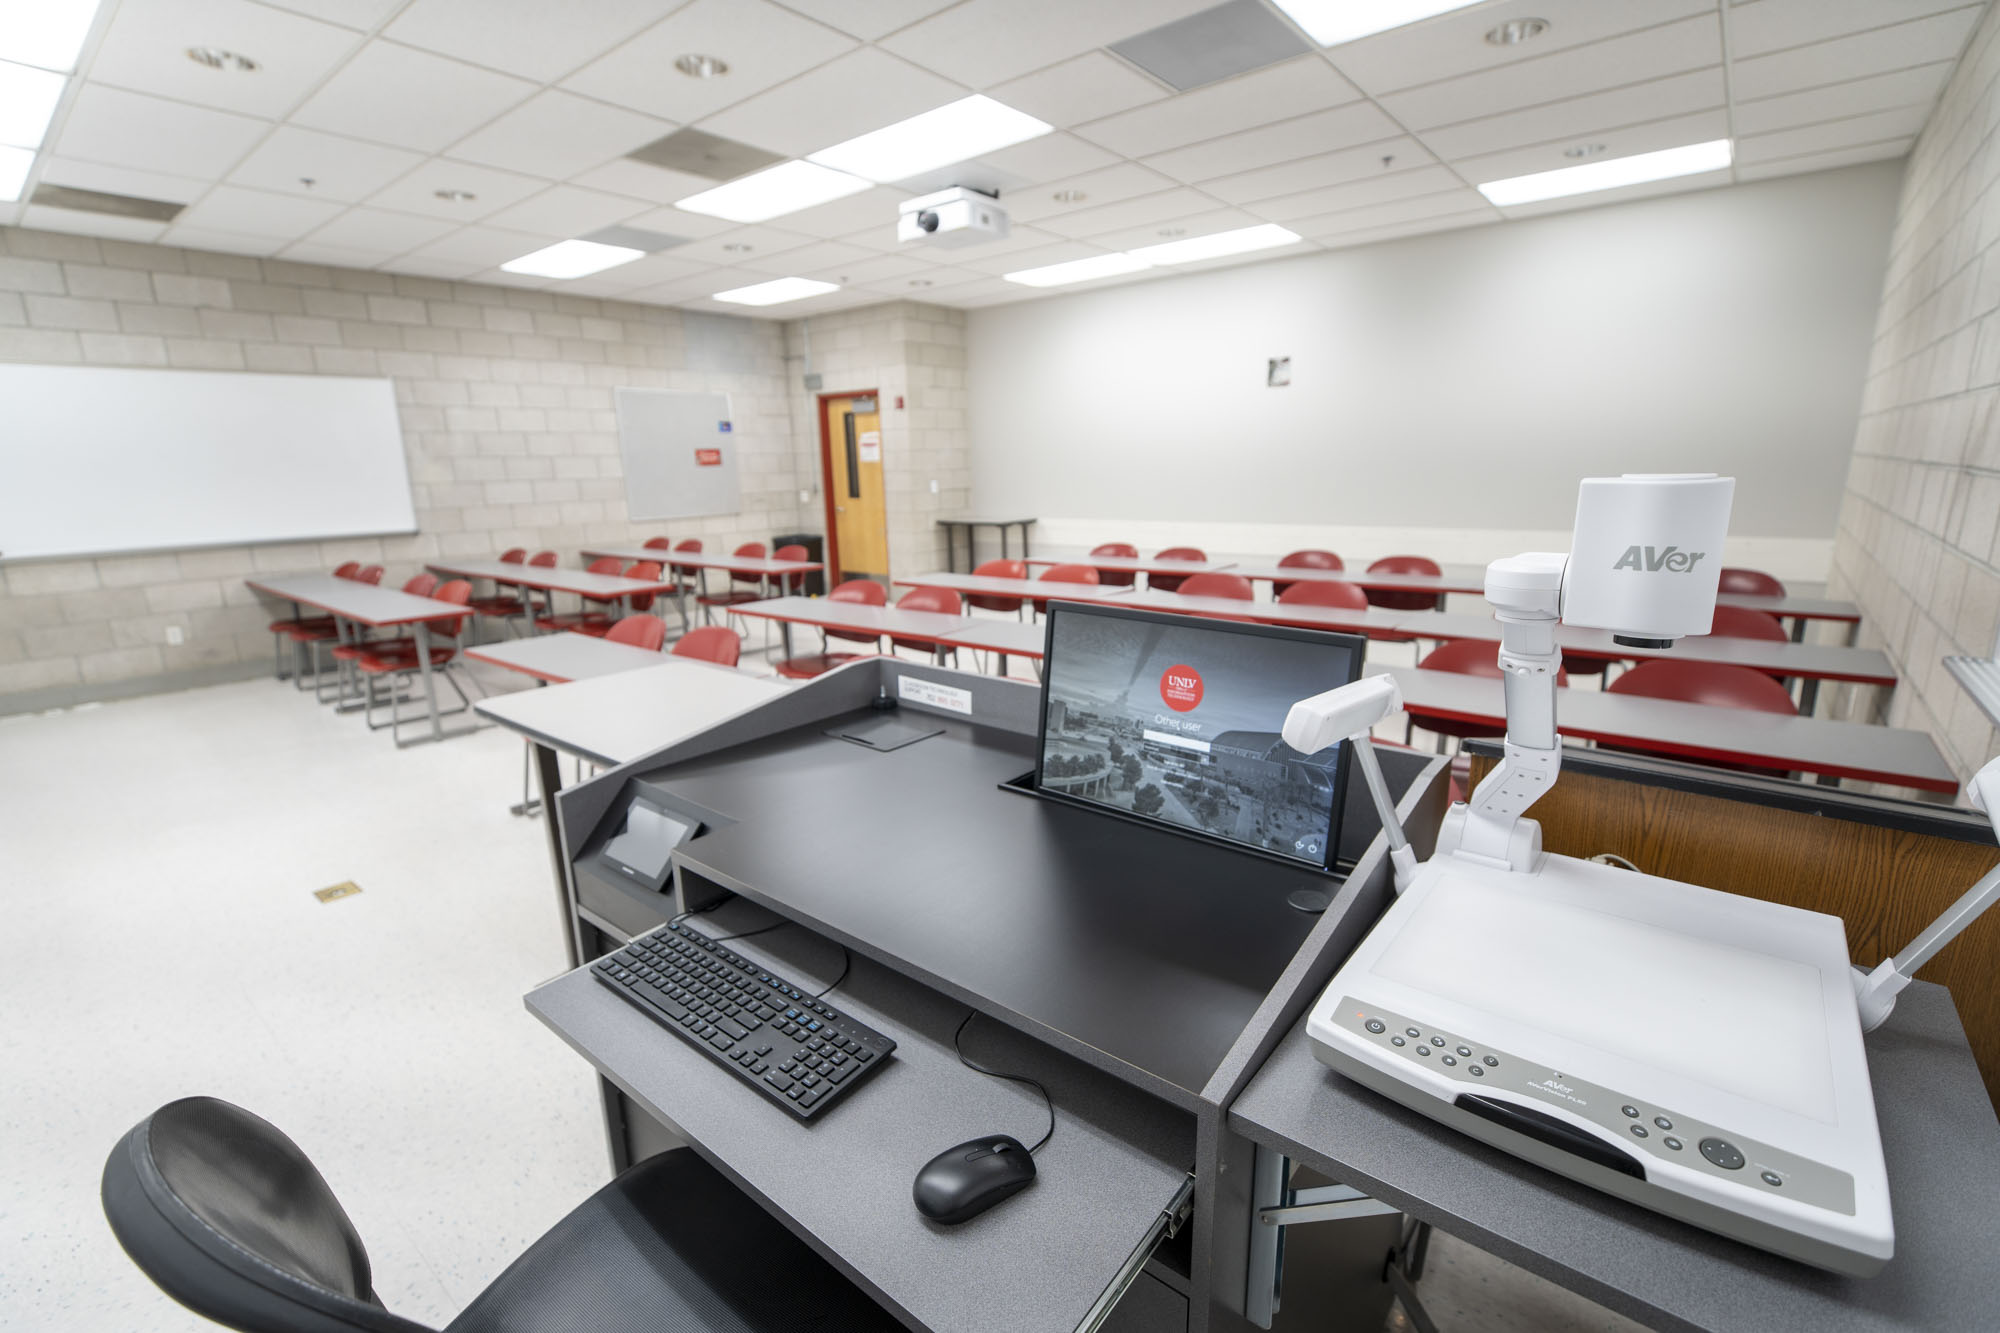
(1683, 730)
(986, 585)
(1007, 638)
(550, 581)
(763, 567)
(972, 526)
(1341, 619)
(351, 603)
(1126, 564)
(824, 613)
(556, 659)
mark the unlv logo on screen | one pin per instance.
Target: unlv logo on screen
(1180, 686)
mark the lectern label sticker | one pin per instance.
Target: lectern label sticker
(708, 458)
(920, 691)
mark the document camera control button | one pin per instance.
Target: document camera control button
(1722, 1153)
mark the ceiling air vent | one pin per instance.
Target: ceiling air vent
(702, 154)
(96, 201)
(1213, 45)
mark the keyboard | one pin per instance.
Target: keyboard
(798, 1052)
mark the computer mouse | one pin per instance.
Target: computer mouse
(962, 1182)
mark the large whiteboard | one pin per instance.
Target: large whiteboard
(96, 461)
(680, 454)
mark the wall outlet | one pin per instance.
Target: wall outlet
(934, 486)
(176, 636)
(805, 497)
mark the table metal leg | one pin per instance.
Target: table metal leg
(1798, 629)
(430, 681)
(785, 630)
(1808, 695)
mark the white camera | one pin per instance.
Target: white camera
(951, 218)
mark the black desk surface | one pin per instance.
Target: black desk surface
(1133, 943)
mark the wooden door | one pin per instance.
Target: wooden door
(855, 490)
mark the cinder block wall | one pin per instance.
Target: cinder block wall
(505, 396)
(1917, 544)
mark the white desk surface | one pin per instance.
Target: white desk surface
(986, 585)
(829, 614)
(363, 603)
(1127, 564)
(1013, 638)
(558, 658)
(1811, 661)
(580, 581)
(616, 718)
(735, 564)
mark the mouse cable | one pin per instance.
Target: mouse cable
(846, 962)
(1047, 1100)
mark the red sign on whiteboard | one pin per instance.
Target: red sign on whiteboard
(708, 458)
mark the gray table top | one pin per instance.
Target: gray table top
(966, 520)
(1939, 1137)
(1697, 731)
(580, 581)
(1016, 638)
(1003, 587)
(558, 658)
(615, 718)
(735, 564)
(1143, 564)
(363, 603)
(1350, 620)
(1471, 579)
(829, 614)
(1810, 660)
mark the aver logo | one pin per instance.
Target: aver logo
(1653, 559)
(1180, 686)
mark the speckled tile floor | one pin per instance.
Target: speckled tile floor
(157, 862)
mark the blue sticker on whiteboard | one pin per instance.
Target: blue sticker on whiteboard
(722, 426)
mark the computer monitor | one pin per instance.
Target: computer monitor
(1176, 720)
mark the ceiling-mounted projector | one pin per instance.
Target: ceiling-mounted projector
(953, 217)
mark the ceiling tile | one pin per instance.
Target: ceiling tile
(257, 213)
(1454, 45)
(1020, 238)
(347, 170)
(224, 242)
(1773, 25)
(1011, 261)
(984, 42)
(1674, 132)
(1148, 208)
(1840, 157)
(532, 38)
(566, 210)
(373, 229)
(124, 129)
(91, 224)
(1311, 173)
(763, 44)
(339, 256)
(1090, 87)
(491, 191)
(763, 242)
(861, 91)
(868, 19)
(1278, 93)
(364, 15)
(394, 95)
(122, 180)
(642, 180)
(1576, 118)
(1694, 43)
(555, 135)
(1398, 230)
(1878, 127)
(1442, 204)
(1127, 180)
(1051, 157)
(877, 268)
(1358, 194)
(477, 248)
(1174, 229)
(874, 208)
(145, 49)
(1341, 127)
(813, 258)
(1920, 42)
(1909, 87)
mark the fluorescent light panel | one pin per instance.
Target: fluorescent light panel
(773, 192)
(28, 100)
(48, 34)
(1331, 22)
(1077, 270)
(1636, 170)
(572, 259)
(1214, 246)
(950, 133)
(14, 165)
(777, 291)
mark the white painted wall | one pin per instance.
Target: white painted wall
(1449, 390)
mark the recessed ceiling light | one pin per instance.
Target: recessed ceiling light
(1515, 31)
(777, 291)
(572, 259)
(737, 247)
(1173, 231)
(1331, 22)
(950, 133)
(773, 192)
(1584, 150)
(14, 164)
(701, 67)
(28, 100)
(214, 57)
(1609, 175)
(1077, 270)
(1214, 246)
(920, 282)
(48, 34)
(455, 196)
(1069, 196)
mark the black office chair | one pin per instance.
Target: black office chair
(231, 1220)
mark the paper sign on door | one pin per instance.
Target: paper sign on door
(708, 458)
(871, 446)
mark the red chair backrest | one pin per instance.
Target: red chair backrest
(646, 571)
(659, 544)
(1322, 593)
(749, 551)
(1750, 582)
(1471, 657)
(647, 632)
(604, 564)
(1182, 553)
(1218, 585)
(348, 570)
(792, 582)
(998, 569)
(368, 574)
(1075, 574)
(1123, 551)
(513, 555)
(942, 600)
(1717, 684)
(868, 593)
(1172, 582)
(422, 585)
(1311, 560)
(543, 560)
(711, 643)
(693, 547)
(1398, 599)
(459, 591)
(1740, 622)
(1405, 564)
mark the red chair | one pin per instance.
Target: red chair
(1328, 593)
(1469, 657)
(711, 643)
(1717, 684)
(998, 569)
(422, 585)
(944, 602)
(303, 630)
(737, 596)
(641, 631)
(347, 570)
(1740, 622)
(791, 585)
(369, 574)
(1749, 583)
(393, 659)
(1397, 599)
(505, 603)
(864, 591)
(599, 624)
(576, 620)
(1072, 574)
(659, 544)
(1305, 560)
(1172, 582)
(1218, 585)
(1114, 578)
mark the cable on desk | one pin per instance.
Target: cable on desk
(1047, 1100)
(846, 962)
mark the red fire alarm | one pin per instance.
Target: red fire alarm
(708, 458)
(899, 402)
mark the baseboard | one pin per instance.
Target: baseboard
(69, 696)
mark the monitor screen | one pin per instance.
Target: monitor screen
(1177, 720)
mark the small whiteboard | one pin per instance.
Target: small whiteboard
(99, 461)
(680, 454)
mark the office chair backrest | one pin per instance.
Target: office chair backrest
(647, 632)
(868, 593)
(1473, 657)
(514, 555)
(1172, 582)
(1073, 574)
(1305, 560)
(659, 543)
(748, 551)
(459, 591)
(604, 564)
(1218, 585)
(1750, 582)
(1323, 592)
(941, 600)
(370, 574)
(998, 569)
(1740, 622)
(792, 583)
(1399, 599)
(1123, 551)
(692, 546)
(1718, 684)
(711, 643)
(348, 570)
(422, 585)
(645, 571)
(543, 560)
(229, 1218)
